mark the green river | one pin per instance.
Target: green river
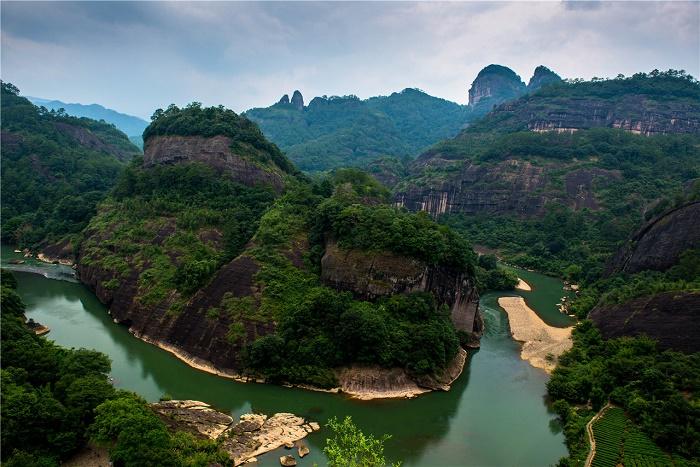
(495, 414)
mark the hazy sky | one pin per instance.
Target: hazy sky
(138, 56)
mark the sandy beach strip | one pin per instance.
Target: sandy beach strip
(522, 285)
(539, 339)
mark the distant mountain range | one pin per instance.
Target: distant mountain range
(341, 131)
(130, 125)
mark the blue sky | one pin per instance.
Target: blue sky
(138, 56)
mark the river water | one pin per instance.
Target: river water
(494, 415)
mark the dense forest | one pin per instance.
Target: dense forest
(55, 169)
(55, 400)
(334, 132)
(188, 204)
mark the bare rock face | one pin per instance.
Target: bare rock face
(672, 318)
(493, 85)
(192, 334)
(373, 275)
(512, 186)
(631, 112)
(298, 100)
(284, 100)
(215, 152)
(194, 417)
(253, 435)
(659, 244)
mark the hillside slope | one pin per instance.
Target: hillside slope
(345, 131)
(552, 179)
(55, 169)
(214, 247)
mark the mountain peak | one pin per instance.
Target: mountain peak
(542, 77)
(495, 84)
(284, 99)
(298, 100)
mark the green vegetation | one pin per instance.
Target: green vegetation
(384, 228)
(490, 276)
(647, 168)
(655, 91)
(618, 441)
(350, 447)
(55, 399)
(345, 131)
(195, 120)
(608, 431)
(659, 391)
(620, 288)
(51, 182)
(176, 225)
(320, 328)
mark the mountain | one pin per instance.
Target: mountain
(128, 124)
(334, 132)
(660, 264)
(344, 131)
(215, 247)
(542, 76)
(569, 163)
(494, 85)
(55, 169)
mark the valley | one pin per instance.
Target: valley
(470, 421)
(211, 267)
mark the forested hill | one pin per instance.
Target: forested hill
(552, 193)
(55, 169)
(344, 131)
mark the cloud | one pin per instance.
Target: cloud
(138, 56)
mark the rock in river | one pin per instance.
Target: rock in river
(253, 435)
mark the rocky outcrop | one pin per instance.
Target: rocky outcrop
(284, 100)
(297, 100)
(370, 275)
(512, 186)
(195, 334)
(216, 152)
(542, 77)
(635, 113)
(493, 85)
(253, 435)
(659, 244)
(672, 318)
(374, 382)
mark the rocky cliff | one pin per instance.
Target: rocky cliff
(217, 152)
(672, 318)
(560, 145)
(659, 244)
(512, 186)
(370, 275)
(633, 113)
(493, 85)
(297, 100)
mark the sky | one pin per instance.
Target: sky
(136, 57)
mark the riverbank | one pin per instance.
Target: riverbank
(362, 383)
(496, 401)
(542, 344)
